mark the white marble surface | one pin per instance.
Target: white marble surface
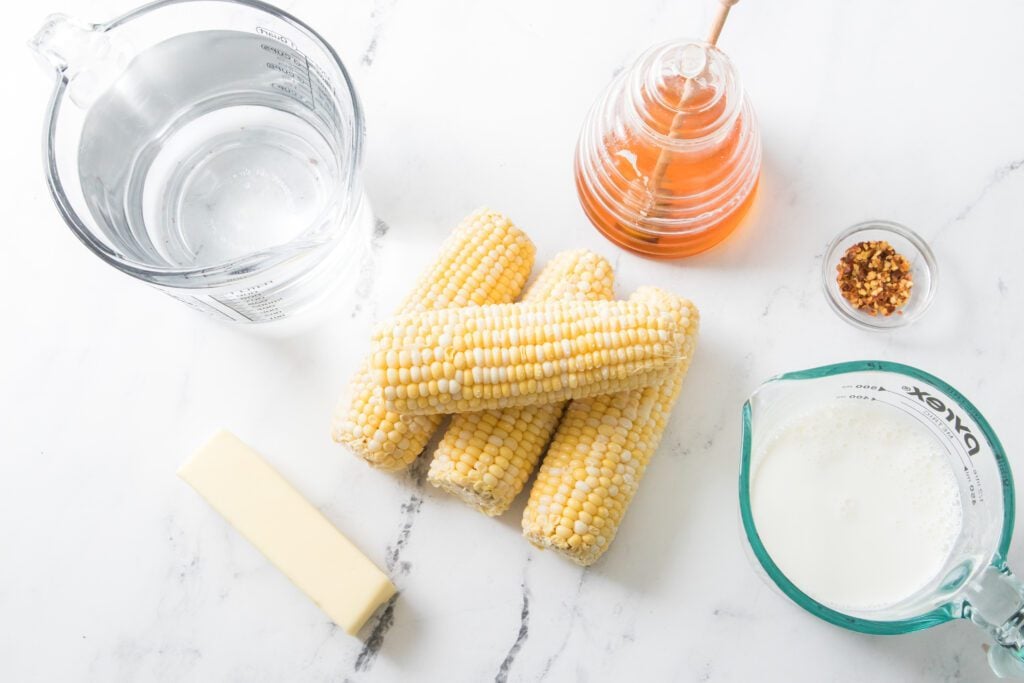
(111, 569)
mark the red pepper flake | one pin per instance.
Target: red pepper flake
(875, 278)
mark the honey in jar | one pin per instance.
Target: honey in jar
(668, 161)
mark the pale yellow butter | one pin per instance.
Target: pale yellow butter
(285, 527)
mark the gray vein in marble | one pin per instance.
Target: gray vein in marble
(377, 16)
(419, 468)
(368, 270)
(370, 53)
(186, 568)
(1001, 286)
(394, 565)
(521, 636)
(573, 613)
(680, 448)
(394, 553)
(375, 642)
(1001, 174)
(628, 634)
(332, 629)
(954, 675)
(731, 613)
(772, 299)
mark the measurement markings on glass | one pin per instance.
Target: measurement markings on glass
(308, 82)
(935, 424)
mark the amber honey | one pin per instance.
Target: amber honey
(665, 167)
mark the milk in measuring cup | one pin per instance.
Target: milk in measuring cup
(856, 503)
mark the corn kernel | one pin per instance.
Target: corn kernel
(512, 439)
(602, 447)
(485, 260)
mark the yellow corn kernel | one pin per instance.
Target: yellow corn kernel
(600, 451)
(486, 457)
(485, 260)
(585, 366)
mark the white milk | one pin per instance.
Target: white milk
(856, 503)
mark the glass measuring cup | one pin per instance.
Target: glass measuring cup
(211, 148)
(974, 582)
(669, 157)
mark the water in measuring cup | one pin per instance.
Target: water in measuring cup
(211, 145)
(857, 504)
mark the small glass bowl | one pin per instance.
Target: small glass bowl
(923, 268)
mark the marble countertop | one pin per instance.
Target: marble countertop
(114, 570)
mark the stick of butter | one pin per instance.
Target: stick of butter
(285, 527)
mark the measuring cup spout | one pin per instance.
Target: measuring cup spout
(83, 54)
(995, 601)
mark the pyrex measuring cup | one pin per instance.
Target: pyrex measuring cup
(210, 148)
(975, 582)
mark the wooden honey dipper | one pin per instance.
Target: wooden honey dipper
(676, 129)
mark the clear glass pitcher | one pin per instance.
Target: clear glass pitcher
(975, 582)
(210, 148)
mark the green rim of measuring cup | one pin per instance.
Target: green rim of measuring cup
(941, 614)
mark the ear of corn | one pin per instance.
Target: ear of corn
(485, 260)
(599, 453)
(459, 360)
(486, 457)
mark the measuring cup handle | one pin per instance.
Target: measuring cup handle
(995, 602)
(84, 54)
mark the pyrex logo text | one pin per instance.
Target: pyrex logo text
(959, 428)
